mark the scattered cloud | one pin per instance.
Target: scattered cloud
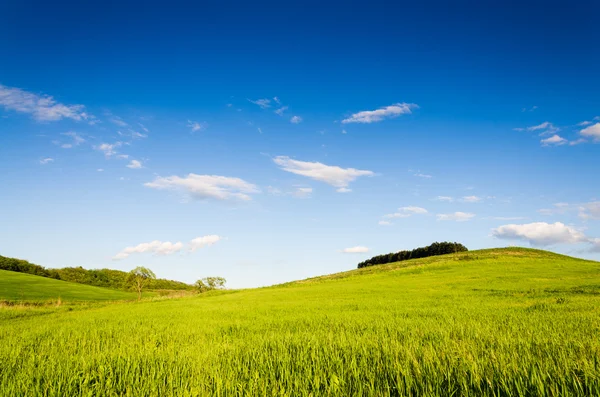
(40, 107)
(590, 210)
(46, 160)
(541, 233)
(426, 176)
(506, 218)
(546, 128)
(203, 187)
(471, 199)
(302, 192)
(444, 198)
(109, 149)
(385, 223)
(296, 120)
(355, 250)
(373, 116)
(134, 164)
(593, 131)
(118, 121)
(263, 103)
(277, 101)
(531, 109)
(554, 140)
(196, 126)
(343, 190)
(204, 241)
(405, 212)
(76, 140)
(155, 247)
(281, 110)
(456, 216)
(333, 175)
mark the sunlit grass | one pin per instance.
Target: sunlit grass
(494, 322)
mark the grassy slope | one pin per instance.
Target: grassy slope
(26, 287)
(492, 322)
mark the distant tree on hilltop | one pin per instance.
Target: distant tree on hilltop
(210, 283)
(421, 252)
(139, 277)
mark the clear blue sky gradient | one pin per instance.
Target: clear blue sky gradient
(480, 73)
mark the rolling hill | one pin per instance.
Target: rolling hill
(26, 287)
(492, 322)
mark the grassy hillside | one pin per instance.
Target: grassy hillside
(493, 322)
(26, 287)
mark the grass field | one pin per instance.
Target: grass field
(493, 322)
(26, 287)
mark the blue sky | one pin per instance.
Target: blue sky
(268, 142)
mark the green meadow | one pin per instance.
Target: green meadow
(26, 287)
(502, 322)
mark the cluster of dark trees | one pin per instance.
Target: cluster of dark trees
(421, 252)
(106, 278)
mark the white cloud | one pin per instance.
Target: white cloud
(196, 126)
(590, 210)
(134, 164)
(426, 176)
(302, 192)
(595, 245)
(118, 121)
(343, 190)
(109, 149)
(405, 212)
(444, 198)
(372, 116)
(296, 120)
(592, 131)
(344, 132)
(335, 176)
(546, 127)
(281, 110)
(584, 123)
(46, 160)
(263, 103)
(355, 250)
(541, 233)
(507, 218)
(577, 142)
(40, 107)
(202, 187)
(76, 140)
(385, 223)
(201, 242)
(156, 247)
(277, 101)
(456, 216)
(555, 140)
(471, 199)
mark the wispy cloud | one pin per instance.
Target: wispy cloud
(355, 250)
(40, 107)
(333, 175)
(373, 116)
(444, 198)
(456, 216)
(109, 149)
(405, 212)
(46, 160)
(421, 175)
(471, 199)
(202, 187)
(263, 103)
(296, 120)
(76, 140)
(281, 110)
(134, 164)
(204, 241)
(196, 126)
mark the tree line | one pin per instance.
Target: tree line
(421, 252)
(106, 278)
